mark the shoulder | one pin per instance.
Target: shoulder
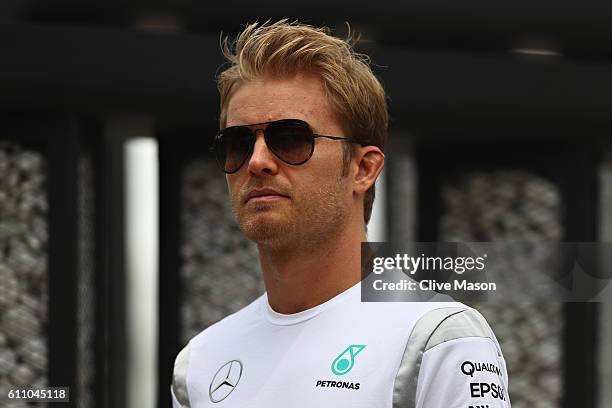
(463, 356)
(218, 330)
(179, 378)
(212, 334)
(451, 323)
(443, 345)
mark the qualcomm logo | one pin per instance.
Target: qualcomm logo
(225, 380)
(346, 360)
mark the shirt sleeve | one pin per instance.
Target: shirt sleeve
(180, 394)
(175, 403)
(465, 372)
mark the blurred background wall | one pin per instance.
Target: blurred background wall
(116, 240)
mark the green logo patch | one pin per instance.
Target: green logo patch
(346, 360)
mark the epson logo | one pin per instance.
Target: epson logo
(337, 384)
(480, 390)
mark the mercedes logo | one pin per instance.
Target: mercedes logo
(225, 380)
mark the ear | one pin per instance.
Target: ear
(370, 161)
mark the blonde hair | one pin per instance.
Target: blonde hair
(284, 48)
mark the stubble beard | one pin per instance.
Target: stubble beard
(307, 221)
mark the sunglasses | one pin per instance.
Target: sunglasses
(291, 140)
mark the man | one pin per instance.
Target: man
(304, 124)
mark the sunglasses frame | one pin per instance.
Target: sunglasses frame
(313, 135)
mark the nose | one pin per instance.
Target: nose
(262, 160)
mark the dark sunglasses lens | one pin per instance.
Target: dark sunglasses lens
(291, 141)
(233, 148)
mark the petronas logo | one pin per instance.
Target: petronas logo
(346, 360)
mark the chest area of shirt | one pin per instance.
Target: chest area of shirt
(298, 367)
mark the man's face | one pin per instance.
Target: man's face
(305, 203)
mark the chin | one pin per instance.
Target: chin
(263, 229)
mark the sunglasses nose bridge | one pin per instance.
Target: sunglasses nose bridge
(258, 138)
(261, 156)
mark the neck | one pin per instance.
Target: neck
(299, 277)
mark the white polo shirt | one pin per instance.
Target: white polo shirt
(344, 353)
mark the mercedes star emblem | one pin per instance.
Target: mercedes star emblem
(225, 380)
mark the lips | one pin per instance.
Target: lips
(263, 192)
